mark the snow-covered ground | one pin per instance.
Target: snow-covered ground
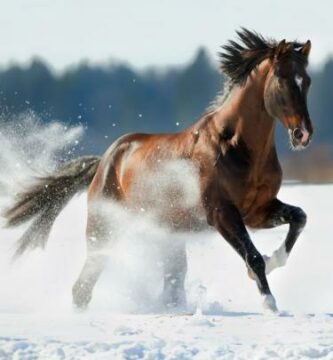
(123, 321)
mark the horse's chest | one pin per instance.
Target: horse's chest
(250, 182)
(254, 195)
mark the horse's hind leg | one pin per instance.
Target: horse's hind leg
(175, 268)
(277, 213)
(97, 241)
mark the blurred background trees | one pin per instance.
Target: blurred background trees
(112, 100)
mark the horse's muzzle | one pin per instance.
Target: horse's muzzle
(299, 138)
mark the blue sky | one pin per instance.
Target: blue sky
(151, 32)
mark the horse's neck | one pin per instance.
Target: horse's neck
(244, 111)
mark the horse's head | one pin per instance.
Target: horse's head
(286, 91)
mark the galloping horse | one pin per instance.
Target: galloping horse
(232, 156)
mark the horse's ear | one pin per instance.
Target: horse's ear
(280, 49)
(305, 50)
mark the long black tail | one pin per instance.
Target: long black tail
(43, 202)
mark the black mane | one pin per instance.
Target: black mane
(238, 59)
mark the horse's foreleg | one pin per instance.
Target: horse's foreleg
(175, 268)
(228, 221)
(97, 240)
(278, 213)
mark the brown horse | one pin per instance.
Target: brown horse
(229, 154)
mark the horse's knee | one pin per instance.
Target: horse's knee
(299, 217)
(256, 263)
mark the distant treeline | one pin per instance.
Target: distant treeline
(116, 99)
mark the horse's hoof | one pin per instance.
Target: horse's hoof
(79, 309)
(270, 304)
(80, 302)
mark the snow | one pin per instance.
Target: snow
(229, 336)
(125, 321)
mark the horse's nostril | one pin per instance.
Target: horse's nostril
(298, 133)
